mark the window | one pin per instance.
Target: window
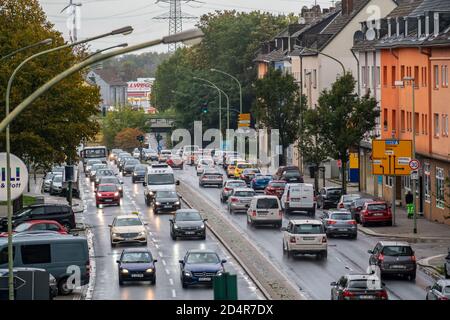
(385, 117)
(408, 72)
(426, 124)
(407, 182)
(315, 78)
(440, 187)
(36, 253)
(402, 120)
(424, 77)
(305, 76)
(393, 76)
(374, 80)
(363, 76)
(394, 120)
(378, 76)
(38, 211)
(444, 76)
(4, 255)
(445, 125)
(389, 181)
(436, 124)
(408, 121)
(416, 124)
(385, 76)
(416, 76)
(423, 123)
(402, 72)
(427, 181)
(436, 76)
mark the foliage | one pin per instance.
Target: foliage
(126, 139)
(277, 106)
(53, 126)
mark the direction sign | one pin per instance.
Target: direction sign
(391, 157)
(414, 164)
(18, 282)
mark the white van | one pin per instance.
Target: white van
(299, 197)
(158, 179)
(265, 210)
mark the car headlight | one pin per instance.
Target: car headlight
(149, 270)
(124, 271)
(135, 174)
(175, 226)
(120, 188)
(151, 193)
(142, 233)
(187, 274)
(202, 226)
(158, 203)
(52, 280)
(177, 203)
(115, 234)
(219, 273)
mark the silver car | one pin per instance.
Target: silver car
(48, 181)
(228, 187)
(439, 291)
(211, 177)
(56, 184)
(240, 199)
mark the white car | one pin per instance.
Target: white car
(203, 164)
(128, 228)
(136, 153)
(305, 237)
(265, 210)
(299, 197)
(164, 155)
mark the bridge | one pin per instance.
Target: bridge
(160, 124)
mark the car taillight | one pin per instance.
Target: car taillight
(352, 222)
(331, 222)
(341, 205)
(234, 200)
(381, 257)
(226, 189)
(324, 239)
(254, 213)
(116, 194)
(280, 213)
(99, 194)
(413, 258)
(442, 298)
(347, 294)
(382, 294)
(292, 239)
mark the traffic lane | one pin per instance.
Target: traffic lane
(344, 255)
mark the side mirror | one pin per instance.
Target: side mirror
(428, 288)
(204, 220)
(110, 225)
(334, 284)
(177, 182)
(144, 184)
(117, 261)
(156, 260)
(370, 251)
(171, 220)
(224, 261)
(181, 261)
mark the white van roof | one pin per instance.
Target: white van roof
(153, 170)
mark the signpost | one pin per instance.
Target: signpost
(244, 120)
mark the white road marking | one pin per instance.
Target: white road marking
(174, 295)
(157, 246)
(337, 258)
(160, 254)
(164, 262)
(171, 281)
(167, 271)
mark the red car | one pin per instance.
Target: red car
(175, 162)
(275, 188)
(38, 225)
(107, 194)
(376, 211)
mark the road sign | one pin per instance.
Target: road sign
(391, 157)
(414, 164)
(415, 175)
(244, 120)
(18, 282)
(19, 177)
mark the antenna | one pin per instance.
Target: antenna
(175, 17)
(73, 14)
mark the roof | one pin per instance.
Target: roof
(136, 250)
(430, 5)
(276, 55)
(127, 216)
(394, 243)
(44, 237)
(404, 8)
(354, 276)
(110, 77)
(312, 221)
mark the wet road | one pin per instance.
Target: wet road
(163, 248)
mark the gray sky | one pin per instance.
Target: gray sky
(99, 16)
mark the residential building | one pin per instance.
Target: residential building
(113, 90)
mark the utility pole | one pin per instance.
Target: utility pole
(74, 15)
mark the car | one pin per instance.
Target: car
(218, 156)
(158, 178)
(239, 168)
(89, 165)
(200, 267)
(164, 155)
(228, 187)
(128, 229)
(376, 211)
(394, 258)
(103, 173)
(123, 160)
(281, 170)
(114, 153)
(136, 264)
(260, 181)
(440, 290)
(112, 180)
(47, 181)
(107, 194)
(248, 174)
(346, 200)
(265, 210)
(204, 163)
(339, 223)
(231, 166)
(121, 156)
(150, 154)
(358, 287)
(175, 161)
(56, 185)
(240, 199)
(328, 197)
(196, 156)
(187, 223)
(447, 266)
(95, 167)
(275, 188)
(292, 177)
(298, 197)
(138, 173)
(136, 153)
(305, 237)
(356, 206)
(166, 201)
(128, 166)
(211, 177)
(38, 225)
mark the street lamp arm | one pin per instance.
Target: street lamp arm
(235, 79)
(43, 42)
(326, 55)
(122, 45)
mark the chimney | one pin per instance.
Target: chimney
(427, 24)
(436, 24)
(419, 26)
(347, 6)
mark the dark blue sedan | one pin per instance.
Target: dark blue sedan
(137, 265)
(200, 267)
(260, 181)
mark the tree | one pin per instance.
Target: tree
(127, 140)
(343, 118)
(53, 126)
(277, 106)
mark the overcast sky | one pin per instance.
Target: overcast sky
(99, 16)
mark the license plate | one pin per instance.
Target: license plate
(398, 267)
(343, 230)
(189, 232)
(378, 214)
(167, 207)
(309, 238)
(204, 279)
(262, 213)
(108, 200)
(366, 297)
(295, 200)
(137, 275)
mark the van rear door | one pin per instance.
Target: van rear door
(307, 196)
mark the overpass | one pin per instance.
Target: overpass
(160, 124)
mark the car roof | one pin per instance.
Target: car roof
(265, 197)
(42, 237)
(136, 250)
(303, 221)
(235, 180)
(338, 211)
(243, 189)
(40, 221)
(127, 216)
(362, 276)
(201, 251)
(394, 243)
(47, 205)
(187, 210)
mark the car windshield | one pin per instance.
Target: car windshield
(105, 173)
(334, 192)
(278, 184)
(251, 171)
(341, 216)
(308, 229)
(91, 162)
(161, 178)
(188, 216)
(360, 202)
(136, 257)
(166, 194)
(126, 222)
(397, 251)
(376, 207)
(132, 162)
(372, 284)
(107, 179)
(200, 257)
(98, 166)
(244, 165)
(267, 203)
(140, 168)
(244, 193)
(263, 177)
(111, 188)
(58, 178)
(350, 197)
(22, 227)
(22, 212)
(236, 184)
(291, 174)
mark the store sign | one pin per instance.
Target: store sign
(19, 177)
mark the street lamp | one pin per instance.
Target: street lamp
(238, 82)
(40, 43)
(122, 45)
(124, 30)
(324, 54)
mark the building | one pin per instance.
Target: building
(112, 89)
(139, 93)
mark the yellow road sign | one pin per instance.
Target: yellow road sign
(391, 157)
(244, 116)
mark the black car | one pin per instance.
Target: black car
(358, 287)
(292, 177)
(283, 169)
(122, 161)
(139, 172)
(58, 212)
(356, 206)
(166, 201)
(128, 167)
(187, 223)
(137, 265)
(328, 197)
(200, 267)
(394, 258)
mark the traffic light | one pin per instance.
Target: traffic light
(205, 107)
(140, 138)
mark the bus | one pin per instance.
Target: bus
(97, 152)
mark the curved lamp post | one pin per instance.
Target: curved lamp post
(238, 82)
(122, 45)
(40, 43)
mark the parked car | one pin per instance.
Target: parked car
(139, 173)
(200, 267)
(339, 223)
(37, 225)
(61, 213)
(440, 290)
(89, 165)
(107, 194)
(260, 181)
(129, 165)
(166, 201)
(358, 287)
(328, 197)
(394, 258)
(56, 185)
(265, 210)
(248, 174)
(299, 197)
(357, 205)
(175, 161)
(275, 188)
(376, 211)
(204, 163)
(211, 177)
(136, 265)
(240, 199)
(164, 155)
(187, 223)
(346, 200)
(447, 266)
(128, 229)
(305, 237)
(228, 187)
(112, 180)
(47, 181)
(103, 173)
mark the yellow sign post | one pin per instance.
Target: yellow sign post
(244, 120)
(391, 157)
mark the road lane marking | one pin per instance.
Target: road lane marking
(164, 262)
(167, 271)
(171, 281)
(174, 295)
(160, 254)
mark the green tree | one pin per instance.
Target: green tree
(50, 130)
(343, 118)
(277, 106)
(126, 139)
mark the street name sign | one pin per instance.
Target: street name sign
(391, 157)
(19, 177)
